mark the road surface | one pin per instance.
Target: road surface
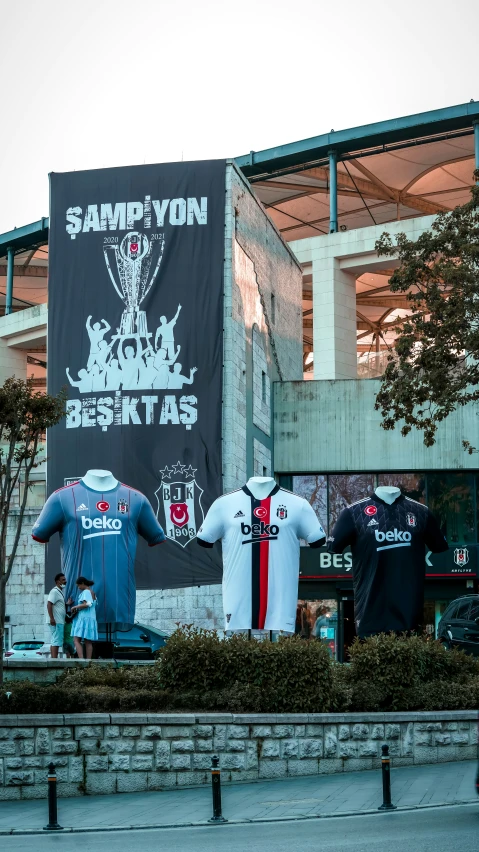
(427, 830)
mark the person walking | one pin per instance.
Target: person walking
(84, 624)
(56, 615)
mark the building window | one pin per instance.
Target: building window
(413, 485)
(451, 497)
(345, 489)
(273, 309)
(314, 489)
(263, 386)
(318, 619)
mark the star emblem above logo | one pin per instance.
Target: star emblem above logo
(166, 472)
(190, 472)
(178, 468)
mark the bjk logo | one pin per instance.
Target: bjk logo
(102, 506)
(461, 556)
(411, 519)
(370, 510)
(260, 512)
(180, 511)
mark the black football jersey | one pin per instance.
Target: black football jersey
(387, 543)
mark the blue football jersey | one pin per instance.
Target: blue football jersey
(98, 537)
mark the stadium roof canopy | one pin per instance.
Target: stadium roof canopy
(397, 169)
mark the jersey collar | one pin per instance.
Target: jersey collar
(398, 500)
(248, 492)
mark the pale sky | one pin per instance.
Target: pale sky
(98, 83)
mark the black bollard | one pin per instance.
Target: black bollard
(216, 789)
(385, 766)
(52, 801)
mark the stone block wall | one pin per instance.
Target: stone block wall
(124, 753)
(25, 589)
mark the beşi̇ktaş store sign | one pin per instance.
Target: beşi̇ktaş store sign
(458, 561)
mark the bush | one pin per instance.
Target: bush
(125, 677)
(289, 675)
(406, 673)
(198, 672)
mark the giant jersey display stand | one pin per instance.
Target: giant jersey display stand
(99, 520)
(260, 526)
(388, 533)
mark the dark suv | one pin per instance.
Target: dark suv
(459, 626)
(134, 642)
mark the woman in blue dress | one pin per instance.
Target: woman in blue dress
(84, 624)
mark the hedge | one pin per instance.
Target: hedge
(199, 672)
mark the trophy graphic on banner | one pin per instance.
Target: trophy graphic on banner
(130, 274)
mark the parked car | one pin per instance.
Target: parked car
(134, 642)
(459, 626)
(30, 649)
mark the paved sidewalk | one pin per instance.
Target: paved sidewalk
(295, 798)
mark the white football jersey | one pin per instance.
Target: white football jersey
(260, 540)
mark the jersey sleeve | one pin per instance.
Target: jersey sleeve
(344, 533)
(310, 528)
(433, 536)
(51, 520)
(148, 526)
(212, 527)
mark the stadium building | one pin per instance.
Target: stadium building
(308, 321)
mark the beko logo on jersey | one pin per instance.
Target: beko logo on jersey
(108, 526)
(259, 532)
(401, 539)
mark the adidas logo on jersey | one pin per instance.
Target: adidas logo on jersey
(373, 523)
(82, 508)
(239, 514)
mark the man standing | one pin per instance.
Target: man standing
(56, 614)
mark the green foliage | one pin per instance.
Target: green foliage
(285, 676)
(406, 673)
(25, 415)
(437, 365)
(198, 672)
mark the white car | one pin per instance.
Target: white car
(30, 649)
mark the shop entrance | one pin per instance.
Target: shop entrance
(347, 628)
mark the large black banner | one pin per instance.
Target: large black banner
(135, 319)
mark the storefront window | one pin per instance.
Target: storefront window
(413, 485)
(319, 620)
(452, 500)
(314, 489)
(346, 489)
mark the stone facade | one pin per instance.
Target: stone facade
(25, 590)
(124, 753)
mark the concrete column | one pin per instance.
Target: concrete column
(9, 296)
(475, 124)
(334, 320)
(13, 362)
(333, 192)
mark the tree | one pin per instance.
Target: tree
(436, 366)
(25, 415)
